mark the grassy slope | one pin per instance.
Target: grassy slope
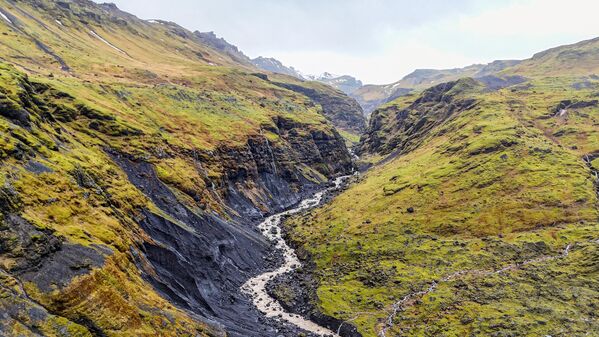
(163, 96)
(495, 185)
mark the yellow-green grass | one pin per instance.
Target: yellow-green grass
(489, 187)
(169, 96)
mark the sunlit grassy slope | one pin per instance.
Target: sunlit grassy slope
(474, 180)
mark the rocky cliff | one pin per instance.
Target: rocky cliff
(344, 112)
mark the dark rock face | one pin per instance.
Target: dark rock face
(394, 130)
(570, 104)
(38, 255)
(343, 111)
(199, 260)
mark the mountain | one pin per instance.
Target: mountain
(339, 108)
(136, 159)
(343, 111)
(479, 214)
(345, 83)
(220, 44)
(275, 66)
(371, 97)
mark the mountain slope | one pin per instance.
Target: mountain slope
(344, 112)
(371, 97)
(340, 109)
(480, 216)
(135, 160)
(275, 66)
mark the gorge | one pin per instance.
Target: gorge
(156, 181)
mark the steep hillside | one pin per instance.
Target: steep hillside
(371, 97)
(344, 112)
(480, 216)
(135, 161)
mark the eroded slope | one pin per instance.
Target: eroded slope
(134, 161)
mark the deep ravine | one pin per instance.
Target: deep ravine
(256, 287)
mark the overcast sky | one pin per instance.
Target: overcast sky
(380, 41)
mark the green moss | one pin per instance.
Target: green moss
(350, 138)
(483, 188)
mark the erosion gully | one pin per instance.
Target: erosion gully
(256, 287)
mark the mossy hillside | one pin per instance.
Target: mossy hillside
(188, 118)
(166, 84)
(67, 185)
(555, 297)
(488, 186)
(12, 299)
(67, 32)
(578, 59)
(168, 101)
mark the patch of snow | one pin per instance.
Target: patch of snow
(211, 64)
(5, 18)
(94, 34)
(155, 21)
(59, 23)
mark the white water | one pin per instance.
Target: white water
(256, 287)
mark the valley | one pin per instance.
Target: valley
(156, 181)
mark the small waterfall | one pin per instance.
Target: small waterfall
(272, 154)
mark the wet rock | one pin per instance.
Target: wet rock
(202, 265)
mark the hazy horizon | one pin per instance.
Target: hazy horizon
(381, 41)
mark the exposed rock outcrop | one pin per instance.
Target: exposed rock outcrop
(397, 130)
(343, 111)
(200, 259)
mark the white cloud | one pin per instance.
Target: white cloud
(395, 62)
(380, 41)
(535, 18)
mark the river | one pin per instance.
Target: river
(256, 286)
